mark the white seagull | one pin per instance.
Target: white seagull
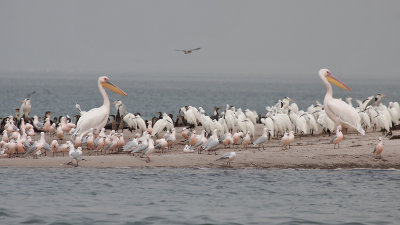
(229, 157)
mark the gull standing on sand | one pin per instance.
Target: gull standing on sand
(246, 140)
(211, 143)
(337, 110)
(171, 139)
(263, 138)
(285, 141)
(148, 150)
(161, 144)
(338, 137)
(75, 153)
(97, 118)
(128, 147)
(378, 148)
(228, 157)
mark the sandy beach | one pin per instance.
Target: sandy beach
(308, 152)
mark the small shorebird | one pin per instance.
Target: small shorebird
(338, 137)
(285, 141)
(229, 157)
(378, 148)
(261, 139)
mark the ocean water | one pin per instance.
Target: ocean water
(151, 93)
(198, 196)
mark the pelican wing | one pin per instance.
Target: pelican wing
(95, 118)
(344, 114)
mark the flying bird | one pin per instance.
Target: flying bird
(187, 51)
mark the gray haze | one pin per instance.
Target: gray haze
(263, 37)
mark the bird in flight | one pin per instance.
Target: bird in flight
(187, 51)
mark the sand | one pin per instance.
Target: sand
(307, 152)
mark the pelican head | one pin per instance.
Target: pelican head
(325, 74)
(105, 82)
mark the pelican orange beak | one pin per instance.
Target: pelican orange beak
(114, 88)
(336, 82)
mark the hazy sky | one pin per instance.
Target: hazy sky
(267, 37)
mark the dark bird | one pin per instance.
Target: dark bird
(187, 51)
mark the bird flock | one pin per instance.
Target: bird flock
(96, 132)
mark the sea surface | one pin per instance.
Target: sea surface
(164, 92)
(198, 196)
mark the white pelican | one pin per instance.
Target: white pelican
(338, 111)
(97, 118)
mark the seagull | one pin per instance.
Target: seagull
(75, 153)
(229, 157)
(378, 148)
(148, 150)
(285, 141)
(187, 51)
(263, 138)
(338, 137)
